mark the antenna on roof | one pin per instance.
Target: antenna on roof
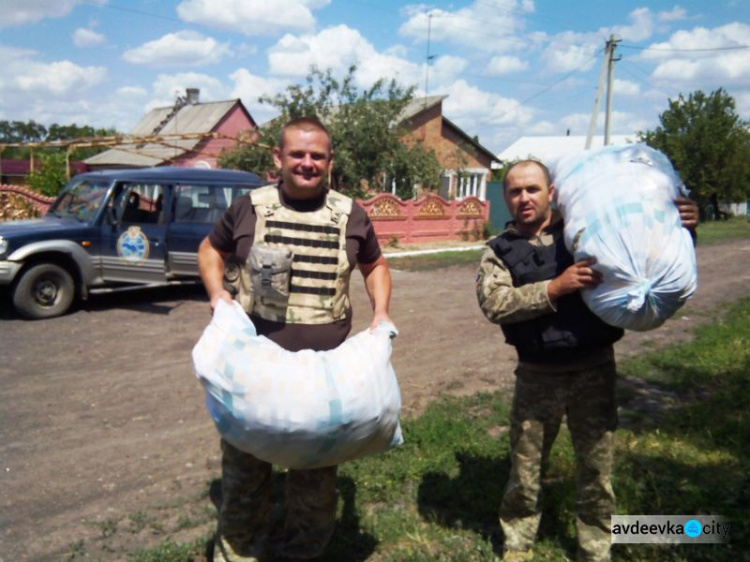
(429, 57)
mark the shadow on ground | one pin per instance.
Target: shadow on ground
(468, 501)
(151, 300)
(349, 542)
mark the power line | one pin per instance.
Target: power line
(635, 47)
(132, 11)
(555, 83)
(636, 77)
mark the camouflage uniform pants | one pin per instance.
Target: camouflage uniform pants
(587, 397)
(245, 515)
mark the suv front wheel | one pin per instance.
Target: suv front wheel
(43, 291)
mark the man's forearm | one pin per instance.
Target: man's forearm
(500, 301)
(211, 268)
(377, 278)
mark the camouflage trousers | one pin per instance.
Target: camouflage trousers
(542, 397)
(310, 504)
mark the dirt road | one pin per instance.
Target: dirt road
(104, 440)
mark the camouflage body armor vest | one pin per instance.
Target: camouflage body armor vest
(297, 271)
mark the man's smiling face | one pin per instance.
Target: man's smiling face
(304, 159)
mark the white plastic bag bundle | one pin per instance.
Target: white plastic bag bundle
(617, 203)
(302, 409)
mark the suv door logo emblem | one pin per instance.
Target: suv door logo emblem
(132, 246)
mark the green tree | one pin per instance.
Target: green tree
(50, 178)
(410, 167)
(81, 133)
(708, 144)
(364, 133)
(13, 132)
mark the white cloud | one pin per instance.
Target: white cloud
(335, 48)
(130, 92)
(489, 25)
(505, 65)
(544, 128)
(626, 88)
(245, 50)
(445, 69)
(641, 27)
(251, 17)
(338, 48)
(25, 76)
(702, 55)
(397, 51)
(46, 92)
(570, 51)
(250, 87)
(621, 123)
(167, 87)
(22, 12)
(60, 77)
(676, 14)
(734, 34)
(83, 37)
(184, 48)
(468, 104)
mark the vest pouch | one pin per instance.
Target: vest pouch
(237, 282)
(270, 274)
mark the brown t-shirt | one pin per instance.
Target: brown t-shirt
(235, 233)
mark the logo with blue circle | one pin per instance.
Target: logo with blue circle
(132, 246)
(693, 528)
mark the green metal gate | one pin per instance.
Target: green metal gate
(499, 214)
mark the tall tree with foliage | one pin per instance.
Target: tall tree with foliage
(364, 133)
(49, 176)
(14, 132)
(708, 144)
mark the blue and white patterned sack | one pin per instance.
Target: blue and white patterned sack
(302, 409)
(617, 203)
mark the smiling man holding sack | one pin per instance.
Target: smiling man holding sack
(301, 241)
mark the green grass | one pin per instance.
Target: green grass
(437, 496)
(694, 459)
(712, 232)
(438, 260)
(169, 551)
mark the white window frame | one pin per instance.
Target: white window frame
(473, 183)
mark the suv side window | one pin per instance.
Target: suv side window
(140, 203)
(200, 203)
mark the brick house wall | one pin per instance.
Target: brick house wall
(208, 151)
(455, 152)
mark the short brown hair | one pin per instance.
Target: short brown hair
(526, 162)
(304, 124)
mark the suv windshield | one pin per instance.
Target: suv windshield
(80, 200)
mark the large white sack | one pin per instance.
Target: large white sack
(617, 203)
(302, 409)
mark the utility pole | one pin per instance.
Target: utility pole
(608, 69)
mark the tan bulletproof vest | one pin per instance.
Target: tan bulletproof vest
(315, 242)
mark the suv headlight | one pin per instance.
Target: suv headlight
(3, 247)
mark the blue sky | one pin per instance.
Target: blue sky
(510, 68)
